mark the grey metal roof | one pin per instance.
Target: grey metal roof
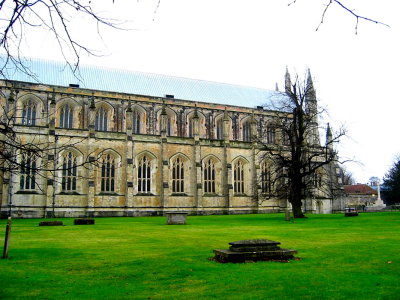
(131, 82)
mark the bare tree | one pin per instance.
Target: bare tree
(57, 17)
(347, 176)
(347, 9)
(301, 164)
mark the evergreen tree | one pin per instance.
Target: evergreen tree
(392, 182)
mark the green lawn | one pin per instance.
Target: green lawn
(142, 258)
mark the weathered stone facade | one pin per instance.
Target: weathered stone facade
(150, 155)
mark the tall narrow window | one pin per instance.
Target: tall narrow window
(144, 175)
(69, 166)
(238, 178)
(66, 116)
(246, 131)
(136, 122)
(191, 127)
(169, 126)
(270, 134)
(178, 176)
(108, 173)
(101, 121)
(317, 180)
(209, 177)
(28, 172)
(220, 129)
(266, 183)
(29, 113)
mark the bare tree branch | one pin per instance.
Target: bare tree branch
(358, 17)
(52, 15)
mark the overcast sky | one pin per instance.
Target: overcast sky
(250, 42)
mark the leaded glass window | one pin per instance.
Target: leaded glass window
(144, 175)
(28, 172)
(101, 122)
(266, 184)
(108, 173)
(66, 116)
(271, 134)
(69, 174)
(29, 113)
(238, 177)
(209, 177)
(246, 131)
(178, 176)
(136, 122)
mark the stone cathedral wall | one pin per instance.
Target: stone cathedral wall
(191, 135)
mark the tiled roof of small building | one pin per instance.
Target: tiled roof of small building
(131, 82)
(359, 189)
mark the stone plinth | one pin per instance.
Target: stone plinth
(176, 218)
(253, 250)
(351, 214)
(84, 221)
(51, 223)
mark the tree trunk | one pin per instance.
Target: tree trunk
(295, 199)
(297, 212)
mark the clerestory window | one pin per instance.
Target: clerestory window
(219, 129)
(246, 131)
(136, 122)
(270, 134)
(66, 116)
(101, 122)
(29, 113)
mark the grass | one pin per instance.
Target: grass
(142, 258)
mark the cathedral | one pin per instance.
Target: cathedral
(121, 143)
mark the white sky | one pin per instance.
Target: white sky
(250, 42)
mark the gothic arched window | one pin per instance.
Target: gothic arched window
(191, 127)
(69, 174)
(136, 122)
(238, 177)
(66, 116)
(266, 184)
(220, 129)
(101, 122)
(178, 176)
(107, 173)
(246, 131)
(29, 113)
(270, 134)
(27, 178)
(169, 124)
(144, 175)
(317, 179)
(209, 177)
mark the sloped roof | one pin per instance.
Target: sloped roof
(132, 82)
(359, 189)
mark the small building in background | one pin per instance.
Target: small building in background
(360, 196)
